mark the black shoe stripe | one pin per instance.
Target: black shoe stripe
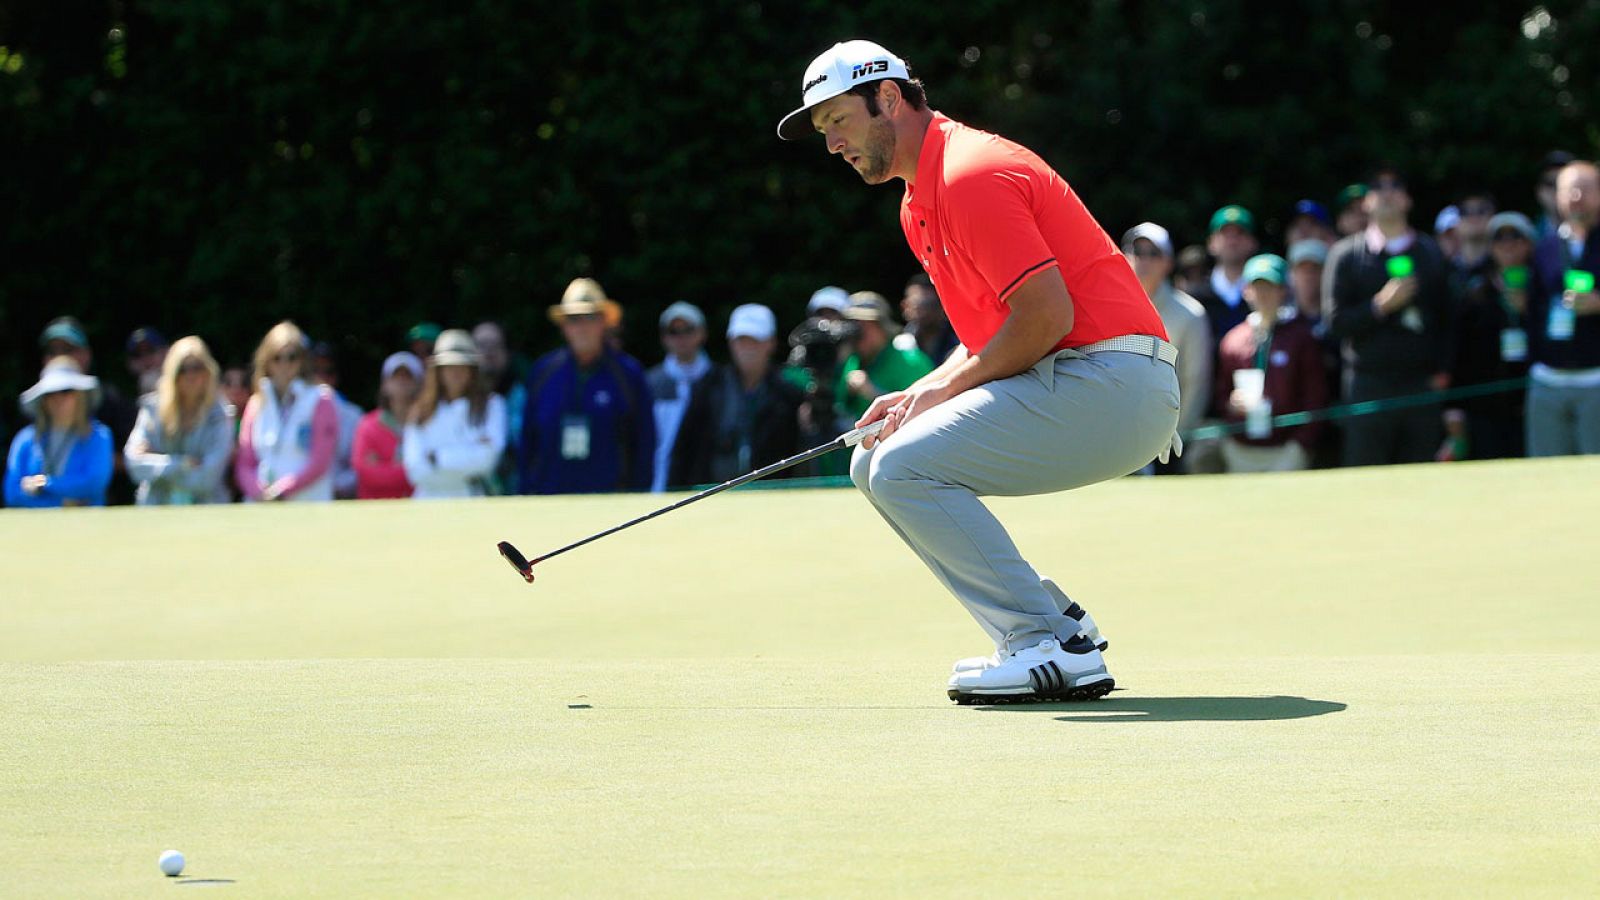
(1033, 679)
(1061, 678)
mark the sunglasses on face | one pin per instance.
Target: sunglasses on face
(678, 331)
(1509, 236)
(1143, 252)
(189, 368)
(1389, 186)
(287, 356)
(583, 317)
(1477, 210)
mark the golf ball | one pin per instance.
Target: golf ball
(171, 862)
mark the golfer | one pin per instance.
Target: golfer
(1064, 376)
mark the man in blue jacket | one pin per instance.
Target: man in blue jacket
(588, 425)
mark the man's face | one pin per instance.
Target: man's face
(1148, 262)
(749, 354)
(1353, 218)
(1578, 195)
(865, 141)
(584, 333)
(682, 338)
(872, 339)
(920, 304)
(56, 348)
(146, 357)
(1475, 214)
(1263, 295)
(1547, 190)
(1387, 197)
(491, 343)
(1232, 245)
(1306, 276)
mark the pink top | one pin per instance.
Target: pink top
(376, 457)
(324, 443)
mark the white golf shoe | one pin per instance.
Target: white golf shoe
(1070, 609)
(1045, 671)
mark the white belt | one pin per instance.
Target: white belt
(1142, 344)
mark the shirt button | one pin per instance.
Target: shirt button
(923, 223)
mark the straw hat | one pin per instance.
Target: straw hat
(455, 347)
(584, 297)
(60, 374)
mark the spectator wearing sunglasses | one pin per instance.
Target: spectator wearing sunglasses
(683, 337)
(178, 452)
(290, 430)
(1148, 247)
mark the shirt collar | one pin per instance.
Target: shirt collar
(680, 372)
(926, 191)
(1377, 242)
(1231, 292)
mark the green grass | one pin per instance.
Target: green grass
(1355, 682)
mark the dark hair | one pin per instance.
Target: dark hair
(920, 279)
(911, 90)
(1389, 169)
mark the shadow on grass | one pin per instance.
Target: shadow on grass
(1183, 709)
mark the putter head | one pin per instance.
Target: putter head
(518, 561)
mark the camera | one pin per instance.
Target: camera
(817, 346)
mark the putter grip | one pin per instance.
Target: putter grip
(852, 438)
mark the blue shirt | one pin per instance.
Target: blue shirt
(78, 473)
(586, 431)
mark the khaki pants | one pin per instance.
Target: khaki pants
(1072, 420)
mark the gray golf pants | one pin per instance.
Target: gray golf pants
(1071, 420)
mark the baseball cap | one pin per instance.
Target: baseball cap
(838, 69)
(1448, 218)
(1266, 267)
(67, 329)
(1308, 250)
(1232, 214)
(1513, 220)
(871, 306)
(1313, 209)
(829, 297)
(685, 311)
(402, 360)
(1350, 194)
(752, 320)
(148, 336)
(424, 331)
(1151, 232)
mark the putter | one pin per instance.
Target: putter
(524, 566)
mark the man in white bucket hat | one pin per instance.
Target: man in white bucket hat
(1064, 376)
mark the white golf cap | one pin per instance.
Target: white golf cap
(840, 68)
(1151, 232)
(830, 297)
(752, 320)
(402, 360)
(685, 311)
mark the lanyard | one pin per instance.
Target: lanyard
(57, 451)
(1264, 350)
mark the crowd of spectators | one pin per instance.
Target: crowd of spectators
(1381, 342)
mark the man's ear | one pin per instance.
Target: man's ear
(889, 96)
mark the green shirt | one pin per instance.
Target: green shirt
(895, 369)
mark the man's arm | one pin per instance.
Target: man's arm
(1041, 313)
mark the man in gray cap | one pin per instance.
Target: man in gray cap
(683, 337)
(1064, 377)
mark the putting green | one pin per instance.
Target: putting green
(1354, 682)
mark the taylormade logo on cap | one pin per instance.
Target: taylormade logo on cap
(841, 68)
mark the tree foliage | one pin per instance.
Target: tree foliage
(212, 167)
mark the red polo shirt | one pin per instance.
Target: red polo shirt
(986, 214)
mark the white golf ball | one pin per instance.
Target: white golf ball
(171, 862)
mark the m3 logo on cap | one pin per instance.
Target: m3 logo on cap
(814, 82)
(871, 68)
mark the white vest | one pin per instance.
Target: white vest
(282, 437)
